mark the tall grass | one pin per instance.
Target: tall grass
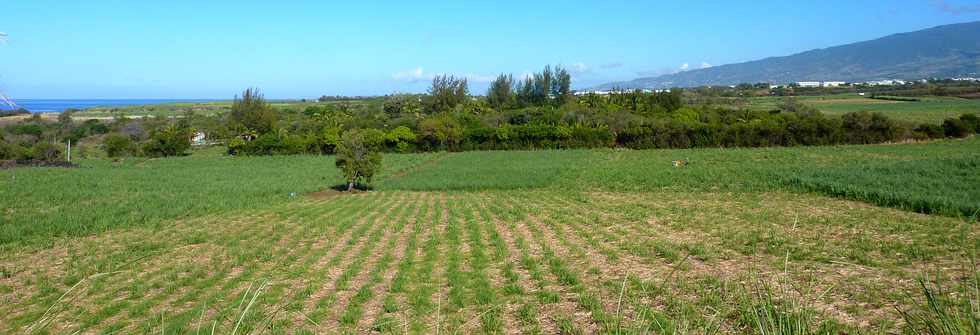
(941, 312)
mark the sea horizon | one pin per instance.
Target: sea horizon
(60, 105)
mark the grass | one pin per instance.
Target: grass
(937, 177)
(932, 110)
(574, 242)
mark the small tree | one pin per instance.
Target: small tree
(358, 157)
(46, 151)
(168, 141)
(117, 145)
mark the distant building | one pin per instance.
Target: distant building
(808, 84)
(598, 92)
(833, 83)
(199, 138)
(887, 82)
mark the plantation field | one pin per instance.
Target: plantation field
(931, 110)
(578, 241)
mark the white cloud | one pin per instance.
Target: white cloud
(579, 68)
(477, 78)
(413, 75)
(418, 74)
(705, 65)
(612, 65)
(685, 67)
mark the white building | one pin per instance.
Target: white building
(833, 83)
(887, 82)
(808, 84)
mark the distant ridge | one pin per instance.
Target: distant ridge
(940, 52)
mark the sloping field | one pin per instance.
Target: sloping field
(471, 262)
(835, 239)
(932, 110)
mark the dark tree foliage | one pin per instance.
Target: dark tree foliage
(251, 112)
(957, 128)
(446, 92)
(117, 145)
(358, 157)
(500, 93)
(866, 127)
(168, 141)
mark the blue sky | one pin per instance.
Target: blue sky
(294, 49)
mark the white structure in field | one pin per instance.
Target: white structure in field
(887, 82)
(580, 93)
(199, 138)
(820, 84)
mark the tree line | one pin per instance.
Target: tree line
(538, 111)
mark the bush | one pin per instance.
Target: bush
(357, 158)
(46, 151)
(971, 120)
(866, 127)
(929, 131)
(168, 141)
(956, 128)
(12, 151)
(117, 145)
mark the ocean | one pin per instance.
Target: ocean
(58, 105)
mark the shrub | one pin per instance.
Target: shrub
(237, 146)
(12, 151)
(928, 131)
(46, 151)
(252, 112)
(329, 139)
(117, 145)
(956, 128)
(357, 158)
(866, 127)
(168, 141)
(971, 120)
(399, 138)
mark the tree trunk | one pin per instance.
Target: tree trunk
(351, 182)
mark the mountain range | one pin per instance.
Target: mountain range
(940, 52)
